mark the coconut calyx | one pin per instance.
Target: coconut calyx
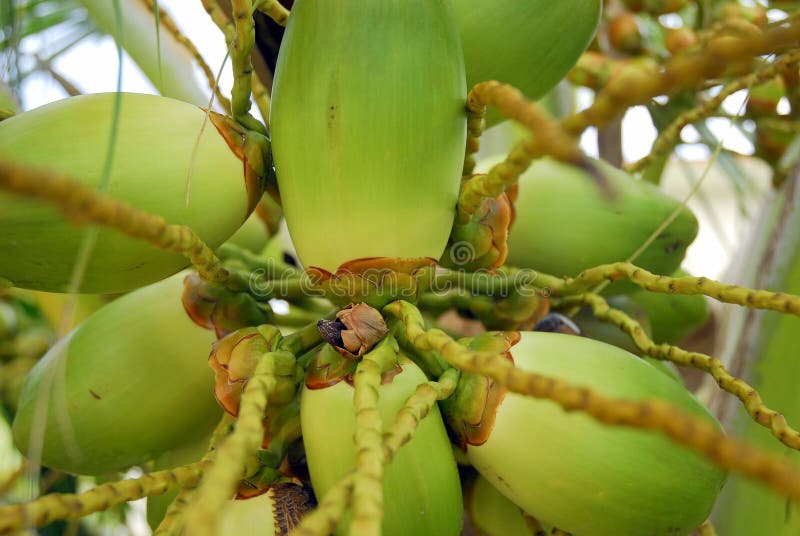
(481, 242)
(253, 150)
(330, 366)
(216, 308)
(375, 281)
(471, 411)
(234, 359)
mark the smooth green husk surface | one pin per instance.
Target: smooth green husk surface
(252, 235)
(136, 384)
(587, 478)
(152, 162)
(492, 513)
(565, 224)
(421, 490)
(530, 44)
(368, 128)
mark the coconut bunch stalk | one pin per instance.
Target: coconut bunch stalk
(764, 345)
(166, 157)
(129, 383)
(369, 127)
(673, 317)
(421, 488)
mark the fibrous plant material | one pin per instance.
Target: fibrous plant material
(759, 299)
(669, 136)
(230, 462)
(732, 43)
(166, 21)
(57, 506)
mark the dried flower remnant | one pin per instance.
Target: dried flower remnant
(357, 328)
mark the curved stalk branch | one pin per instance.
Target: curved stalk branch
(369, 473)
(758, 299)
(690, 431)
(229, 463)
(734, 43)
(56, 506)
(668, 137)
(749, 396)
(85, 206)
(547, 138)
(324, 519)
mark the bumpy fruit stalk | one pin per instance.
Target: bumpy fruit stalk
(559, 207)
(584, 477)
(369, 127)
(491, 512)
(134, 384)
(155, 161)
(763, 345)
(530, 44)
(421, 489)
(673, 317)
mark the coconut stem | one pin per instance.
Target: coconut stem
(84, 205)
(243, 65)
(416, 408)
(324, 519)
(57, 506)
(306, 338)
(668, 137)
(166, 21)
(749, 396)
(230, 462)
(260, 91)
(171, 524)
(735, 43)
(214, 11)
(757, 299)
(692, 432)
(274, 10)
(368, 476)
(547, 138)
